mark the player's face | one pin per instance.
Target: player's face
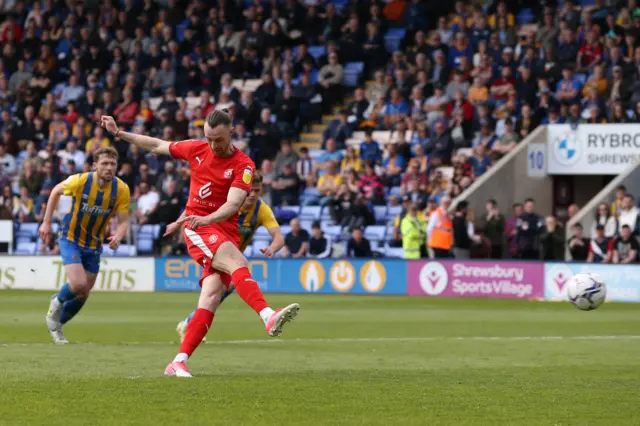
(105, 167)
(219, 138)
(256, 192)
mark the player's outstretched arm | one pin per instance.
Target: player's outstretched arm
(157, 146)
(52, 204)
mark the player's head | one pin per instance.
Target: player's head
(256, 190)
(218, 131)
(105, 162)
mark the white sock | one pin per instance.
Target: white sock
(55, 304)
(181, 357)
(265, 314)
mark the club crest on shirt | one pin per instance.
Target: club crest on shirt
(228, 173)
(213, 239)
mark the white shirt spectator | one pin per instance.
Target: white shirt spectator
(610, 226)
(628, 217)
(147, 202)
(77, 156)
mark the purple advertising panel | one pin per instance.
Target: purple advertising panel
(468, 278)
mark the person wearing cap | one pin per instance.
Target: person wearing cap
(440, 230)
(396, 234)
(413, 230)
(600, 247)
(578, 244)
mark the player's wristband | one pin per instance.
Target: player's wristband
(117, 133)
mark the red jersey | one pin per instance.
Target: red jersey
(212, 177)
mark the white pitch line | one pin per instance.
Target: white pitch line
(359, 340)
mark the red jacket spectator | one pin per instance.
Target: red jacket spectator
(127, 111)
(466, 106)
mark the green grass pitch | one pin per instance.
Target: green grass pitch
(346, 360)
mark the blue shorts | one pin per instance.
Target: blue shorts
(72, 253)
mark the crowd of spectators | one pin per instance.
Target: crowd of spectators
(460, 88)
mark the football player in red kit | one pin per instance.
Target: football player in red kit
(221, 177)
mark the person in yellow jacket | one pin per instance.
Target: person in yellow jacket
(440, 230)
(413, 232)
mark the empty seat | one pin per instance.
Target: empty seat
(310, 213)
(397, 252)
(375, 232)
(332, 231)
(257, 245)
(145, 244)
(380, 213)
(25, 248)
(248, 252)
(261, 233)
(393, 211)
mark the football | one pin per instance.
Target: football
(586, 291)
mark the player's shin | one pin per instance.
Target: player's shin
(197, 330)
(70, 309)
(248, 289)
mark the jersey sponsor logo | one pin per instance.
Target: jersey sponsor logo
(199, 160)
(213, 238)
(205, 190)
(247, 175)
(94, 210)
(228, 173)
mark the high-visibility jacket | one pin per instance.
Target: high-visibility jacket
(413, 236)
(441, 236)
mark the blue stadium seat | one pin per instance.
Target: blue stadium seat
(395, 191)
(317, 51)
(126, 250)
(152, 231)
(397, 252)
(27, 232)
(393, 38)
(310, 213)
(25, 248)
(306, 225)
(332, 231)
(145, 244)
(375, 233)
(257, 245)
(248, 252)
(393, 212)
(380, 213)
(285, 229)
(261, 233)
(325, 214)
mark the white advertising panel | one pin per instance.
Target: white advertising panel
(592, 149)
(48, 273)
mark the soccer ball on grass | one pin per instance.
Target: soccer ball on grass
(586, 291)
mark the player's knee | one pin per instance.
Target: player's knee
(210, 299)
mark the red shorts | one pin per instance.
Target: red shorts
(202, 245)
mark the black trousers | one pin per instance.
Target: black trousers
(441, 254)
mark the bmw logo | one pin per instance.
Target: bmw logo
(567, 149)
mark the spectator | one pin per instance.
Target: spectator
(319, 245)
(551, 240)
(578, 244)
(23, 207)
(126, 112)
(415, 177)
(606, 219)
(306, 167)
(616, 205)
(440, 230)
(493, 226)
(600, 247)
(265, 139)
(328, 185)
(480, 162)
(330, 79)
(507, 142)
(370, 149)
(286, 156)
(147, 203)
(296, 242)
(50, 245)
(413, 231)
(330, 154)
(529, 227)
(31, 179)
(170, 204)
(625, 247)
(440, 147)
(628, 214)
(286, 186)
(71, 152)
(339, 130)
(358, 245)
(463, 231)
(8, 165)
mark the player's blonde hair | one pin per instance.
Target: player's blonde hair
(108, 151)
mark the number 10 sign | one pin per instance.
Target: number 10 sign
(536, 160)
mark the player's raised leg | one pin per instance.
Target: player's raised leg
(212, 291)
(229, 259)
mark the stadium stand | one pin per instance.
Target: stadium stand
(429, 95)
